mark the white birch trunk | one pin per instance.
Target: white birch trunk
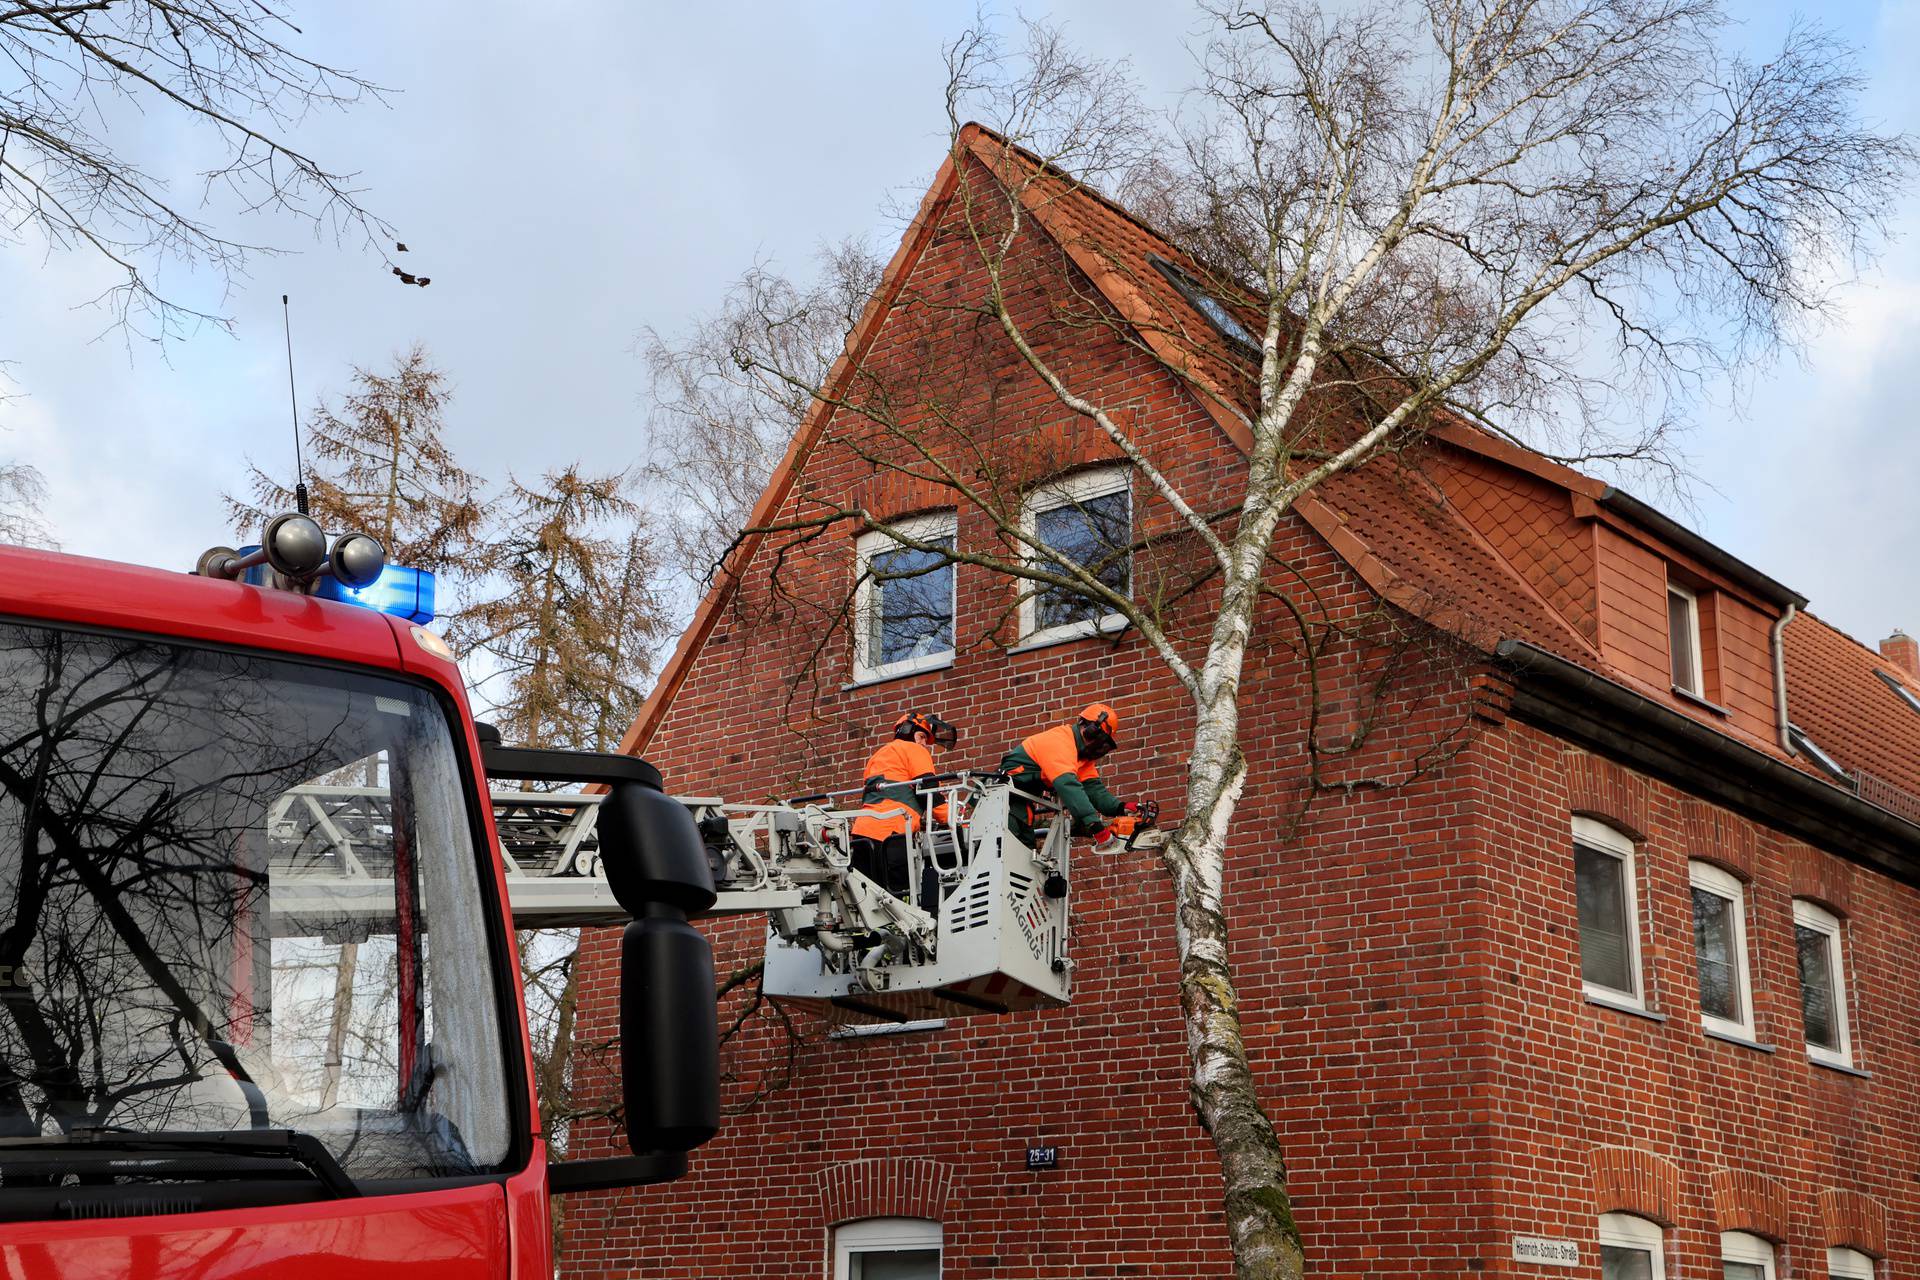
(1259, 1213)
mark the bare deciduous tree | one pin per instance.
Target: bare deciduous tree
(1552, 219)
(718, 427)
(23, 491)
(69, 71)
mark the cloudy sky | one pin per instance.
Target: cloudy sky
(569, 181)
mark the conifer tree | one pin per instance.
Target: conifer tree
(568, 625)
(380, 464)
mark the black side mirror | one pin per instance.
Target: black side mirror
(656, 866)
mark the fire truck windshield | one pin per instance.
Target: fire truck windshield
(236, 894)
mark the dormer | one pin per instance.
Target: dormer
(1683, 620)
(1659, 608)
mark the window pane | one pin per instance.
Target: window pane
(1617, 1263)
(1094, 533)
(1713, 945)
(1605, 956)
(1816, 987)
(912, 605)
(1680, 636)
(1744, 1271)
(896, 1264)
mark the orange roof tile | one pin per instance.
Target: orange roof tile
(1836, 696)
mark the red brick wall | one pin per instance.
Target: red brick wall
(1596, 1110)
(1407, 957)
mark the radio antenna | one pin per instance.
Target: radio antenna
(293, 406)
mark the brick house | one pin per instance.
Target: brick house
(1622, 984)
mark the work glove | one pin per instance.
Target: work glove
(1146, 811)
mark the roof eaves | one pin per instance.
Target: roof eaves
(1581, 705)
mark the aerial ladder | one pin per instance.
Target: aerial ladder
(984, 929)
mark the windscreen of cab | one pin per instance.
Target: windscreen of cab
(240, 893)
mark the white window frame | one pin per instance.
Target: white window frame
(1742, 1246)
(1704, 875)
(1693, 638)
(881, 1235)
(1599, 836)
(1080, 487)
(934, 524)
(1631, 1231)
(1849, 1264)
(1811, 916)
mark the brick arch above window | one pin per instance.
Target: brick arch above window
(1747, 1201)
(1598, 788)
(1820, 878)
(1628, 1180)
(884, 1187)
(893, 495)
(1853, 1220)
(1714, 835)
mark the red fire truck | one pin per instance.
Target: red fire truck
(227, 1048)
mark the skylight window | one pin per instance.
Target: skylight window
(1905, 694)
(1812, 751)
(1206, 304)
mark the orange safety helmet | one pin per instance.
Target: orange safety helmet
(1099, 727)
(942, 733)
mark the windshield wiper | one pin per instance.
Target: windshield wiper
(278, 1144)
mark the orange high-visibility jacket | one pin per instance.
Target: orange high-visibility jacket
(1054, 755)
(890, 776)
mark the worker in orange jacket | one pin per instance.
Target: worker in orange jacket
(891, 801)
(1059, 763)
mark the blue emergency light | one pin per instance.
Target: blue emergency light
(400, 591)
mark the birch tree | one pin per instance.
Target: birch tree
(1554, 219)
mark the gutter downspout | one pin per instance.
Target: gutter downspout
(1780, 680)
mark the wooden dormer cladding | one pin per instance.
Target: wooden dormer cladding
(1607, 577)
(1632, 573)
